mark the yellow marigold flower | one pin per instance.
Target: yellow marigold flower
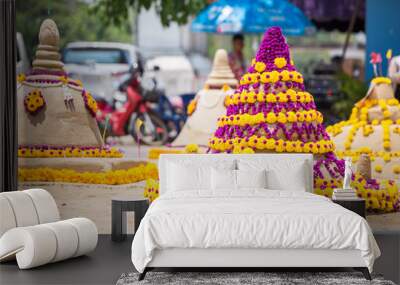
(271, 118)
(387, 114)
(21, 78)
(386, 145)
(285, 75)
(192, 148)
(248, 150)
(280, 62)
(271, 98)
(259, 66)
(378, 168)
(274, 75)
(396, 169)
(282, 118)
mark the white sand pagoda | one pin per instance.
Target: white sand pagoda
(58, 136)
(60, 145)
(373, 129)
(208, 104)
(54, 110)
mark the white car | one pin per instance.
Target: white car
(100, 65)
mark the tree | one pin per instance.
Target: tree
(75, 19)
(179, 11)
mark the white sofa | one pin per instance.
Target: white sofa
(31, 230)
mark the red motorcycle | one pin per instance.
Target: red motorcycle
(130, 113)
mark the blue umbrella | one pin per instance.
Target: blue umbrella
(255, 16)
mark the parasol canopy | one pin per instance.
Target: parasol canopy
(241, 16)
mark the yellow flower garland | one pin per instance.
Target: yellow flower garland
(379, 80)
(271, 77)
(191, 107)
(112, 152)
(282, 97)
(111, 177)
(381, 200)
(254, 142)
(155, 153)
(271, 118)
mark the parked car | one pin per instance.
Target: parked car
(176, 75)
(100, 65)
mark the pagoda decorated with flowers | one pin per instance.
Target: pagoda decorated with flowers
(373, 128)
(58, 136)
(271, 111)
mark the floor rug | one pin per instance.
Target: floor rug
(243, 278)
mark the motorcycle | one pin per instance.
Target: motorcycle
(130, 112)
(171, 111)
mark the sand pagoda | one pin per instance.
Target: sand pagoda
(373, 129)
(208, 104)
(52, 109)
(271, 111)
(58, 136)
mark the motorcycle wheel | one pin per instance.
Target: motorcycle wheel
(154, 134)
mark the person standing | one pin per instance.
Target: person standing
(236, 57)
(394, 73)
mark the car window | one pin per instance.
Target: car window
(96, 55)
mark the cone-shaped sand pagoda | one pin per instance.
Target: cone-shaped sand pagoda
(54, 110)
(271, 111)
(58, 136)
(373, 129)
(208, 104)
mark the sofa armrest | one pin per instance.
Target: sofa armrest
(41, 244)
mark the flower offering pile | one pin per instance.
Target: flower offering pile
(58, 136)
(271, 111)
(208, 105)
(373, 129)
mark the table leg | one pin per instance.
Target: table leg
(118, 223)
(140, 211)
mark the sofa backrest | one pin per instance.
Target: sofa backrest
(26, 208)
(212, 159)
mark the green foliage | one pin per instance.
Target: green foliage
(353, 90)
(75, 21)
(179, 11)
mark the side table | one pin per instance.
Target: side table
(120, 205)
(357, 205)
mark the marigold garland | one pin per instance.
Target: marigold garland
(271, 118)
(90, 103)
(154, 153)
(254, 142)
(111, 177)
(384, 80)
(68, 151)
(252, 97)
(191, 107)
(271, 77)
(382, 196)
